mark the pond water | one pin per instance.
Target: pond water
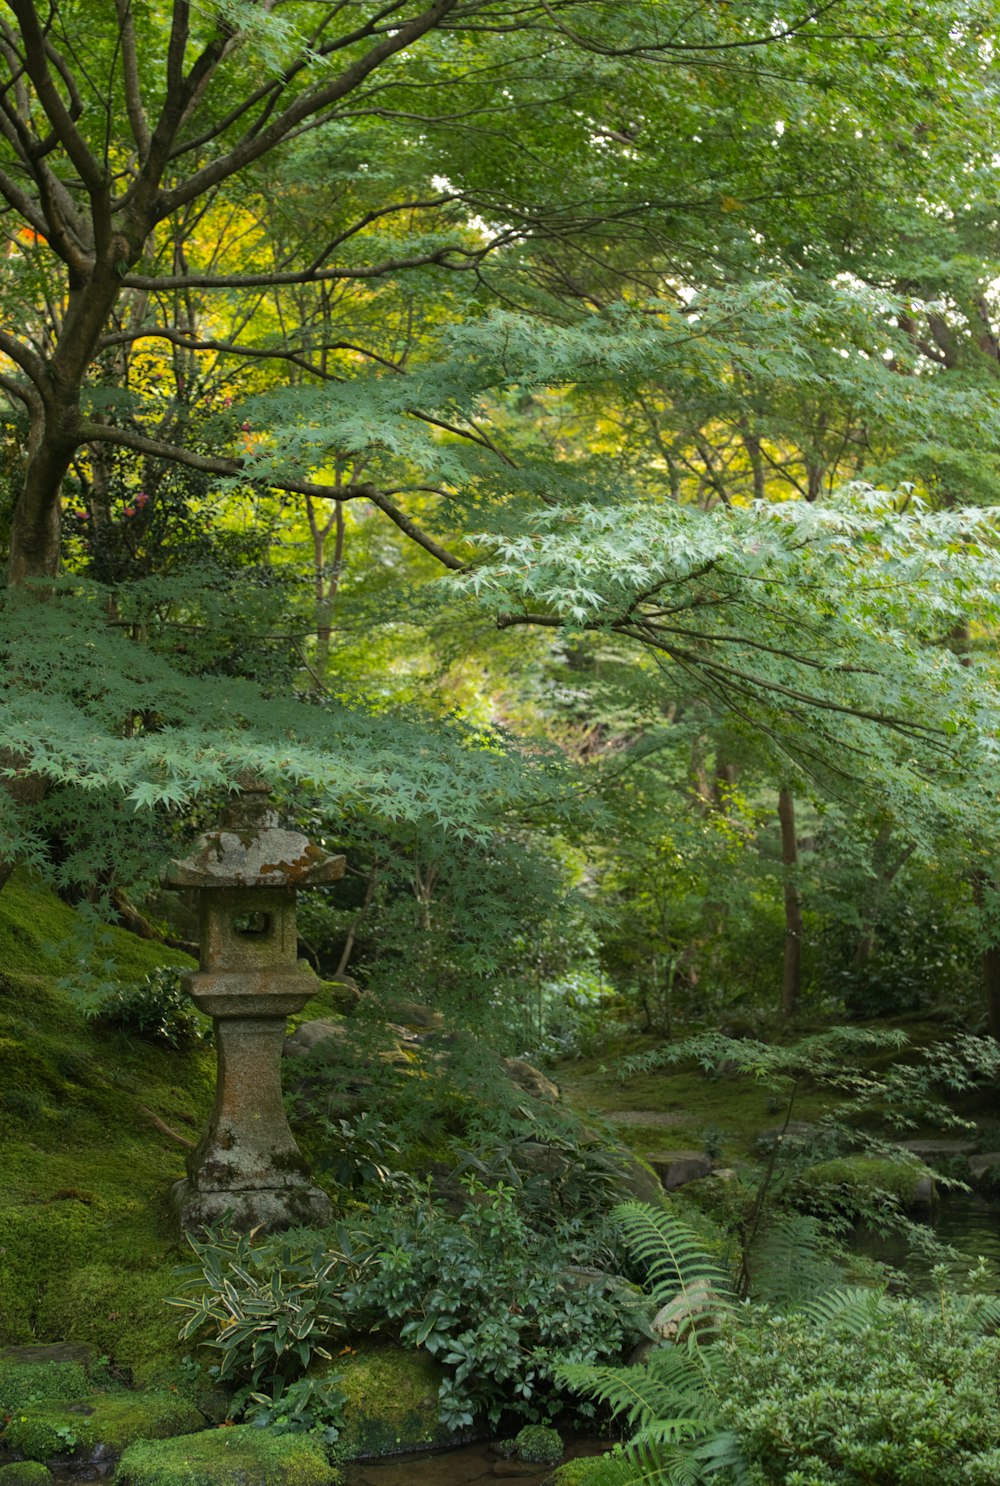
(966, 1221)
(460, 1467)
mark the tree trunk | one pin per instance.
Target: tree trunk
(983, 885)
(791, 984)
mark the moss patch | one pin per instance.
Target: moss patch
(392, 1403)
(239, 1456)
(87, 1243)
(575, 1472)
(98, 1425)
(25, 1473)
(22, 1383)
(861, 1174)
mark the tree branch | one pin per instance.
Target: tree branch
(314, 101)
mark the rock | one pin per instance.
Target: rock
(538, 1444)
(530, 1079)
(984, 1169)
(674, 1168)
(25, 1473)
(695, 1307)
(241, 1455)
(36, 1374)
(904, 1179)
(798, 1133)
(935, 1151)
(313, 1034)
(413, 1016)
(344, 992)
(630, 1174)
(575, 1472)
(392, 1402)
(647, 1117)
(34, 1352)
(99, 1426)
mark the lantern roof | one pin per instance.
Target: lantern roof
(252, 848)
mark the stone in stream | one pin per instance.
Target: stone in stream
(25, 1473)
(97, 1427)
(984, 1170)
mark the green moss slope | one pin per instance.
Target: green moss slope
(86, 1243)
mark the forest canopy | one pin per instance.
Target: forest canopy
(436, 407)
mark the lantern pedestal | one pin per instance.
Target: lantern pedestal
(247, 1170)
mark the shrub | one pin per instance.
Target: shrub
(863, 1386)
(495, 1301)
(158, 1010)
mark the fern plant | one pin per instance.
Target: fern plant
(670, 1404)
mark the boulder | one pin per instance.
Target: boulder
(344, 994)
(97, 1427)
(309, 1035)
(674, 1168)
(797, 1133)
(984, 1170)
(575, 1472)
(940, 1152)
(412, 1016)
(241, 1455)
(25, 1473)
(905, 1179)
(629, 1174)
(34, 1374)
(391, 1403)
(694, 1307)
(529, 1079)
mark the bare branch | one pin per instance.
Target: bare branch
(410, 529)
(442, 257)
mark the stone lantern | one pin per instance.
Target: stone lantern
(246, 875)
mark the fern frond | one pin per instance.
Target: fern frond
(674, 1259)
(641, 1463)
(672, 1385)
(790, 1262)
(854, 1308)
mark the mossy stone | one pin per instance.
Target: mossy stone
(97, 1426)
(575, 1472)
(539, 1444)
(22, 1383)
(241, 1455)
(25, 1473)
(392, 1403)
(907, 1181)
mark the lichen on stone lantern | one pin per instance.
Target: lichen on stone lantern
(247, 1168)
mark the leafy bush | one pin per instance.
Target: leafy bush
(859, 1386)
(496, 1302)
(271, 1306)
(499, 1304)
(158, 1010)
(864, 1386)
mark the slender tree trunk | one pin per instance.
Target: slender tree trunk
(791, 983)
(983, 886)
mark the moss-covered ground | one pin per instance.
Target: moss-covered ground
(86, 1245)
